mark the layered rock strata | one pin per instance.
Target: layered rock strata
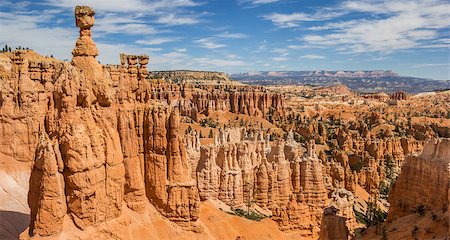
(195, 77)
(423, 182)
(290, 186)
(96, 151)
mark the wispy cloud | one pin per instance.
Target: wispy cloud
(431, 65)
(313, 56)
(172, 19)
(232, 35)
(282, 51)
(114, 23)
(157, 41)
(398, 25)
(203, 61)
(209, 43)
(116, 16)
(255, 3)
(25, 29)
(279, 59)
(290, 20)
(152, 49)
(128, 6)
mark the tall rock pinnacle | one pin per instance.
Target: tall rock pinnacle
(84, 58)
(85, 46)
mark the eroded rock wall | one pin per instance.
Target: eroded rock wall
(99, 144)
(423, 182)
(292, 188)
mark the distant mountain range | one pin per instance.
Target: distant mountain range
(359, 81)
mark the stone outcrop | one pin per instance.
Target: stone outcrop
(84, 19)
(101, 136)
(338, 220)
(46, 195)
(280, 180)
(208, 99)
(95, 150)
(423, 182)
(399, 96)
(178, 199)
(193, 77)
(333, 226)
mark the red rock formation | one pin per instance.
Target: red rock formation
(398, 96)
(424, 181)
(46, 196)
(134, 179)
(333, 226)
(339, 220)
(293, 191)
(313, 192)
(207, 99)
(94, 155)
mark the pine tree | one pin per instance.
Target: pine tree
(211, 134)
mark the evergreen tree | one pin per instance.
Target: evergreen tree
(211, 134)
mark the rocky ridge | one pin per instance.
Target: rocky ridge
(360, 81)
(197, 77)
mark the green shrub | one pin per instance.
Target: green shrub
(249, 215)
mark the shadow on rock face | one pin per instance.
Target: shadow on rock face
(12, 224)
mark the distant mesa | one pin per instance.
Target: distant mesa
(358, 81)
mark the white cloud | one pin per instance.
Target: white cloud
(232, 35)
(25, 30)
(291, 20)
(208, 62)
(157, 41)
(174, 55)
(279, 59)
(296, 47)
(125, 17)
(262, 46)
(153, 49)
(257, 2)
(287, 20)
(109, 53)
(313, 56)
(431, 65)
(172, 19)
(114, 23)
(30, 30)
(209, 43)
(393, 26)
(126, 6)
(282, 51)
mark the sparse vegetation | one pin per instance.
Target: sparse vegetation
(373, 215)
(6, 48)
(211, 134)
(420, 210)
(188, 130)
(248, 214)
(415, 231)
(208, 122)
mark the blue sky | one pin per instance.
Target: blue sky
(411, 37)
